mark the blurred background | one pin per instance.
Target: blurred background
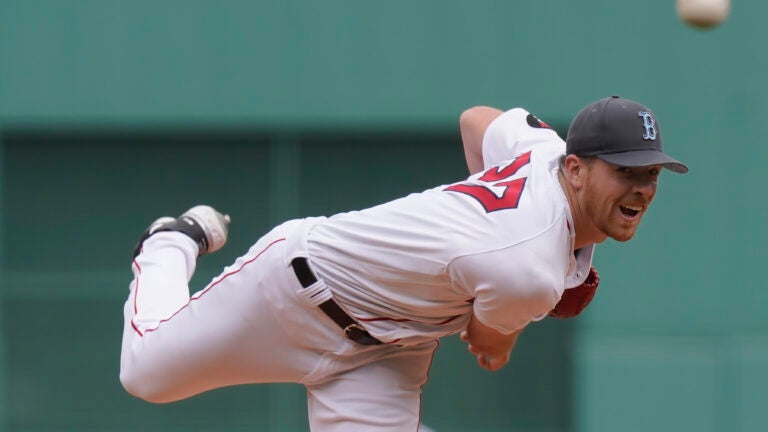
(113, 113)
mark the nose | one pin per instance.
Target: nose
(645, 188)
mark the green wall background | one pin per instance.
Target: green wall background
(115, 112)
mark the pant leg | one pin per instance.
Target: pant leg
(246, 326)
(161, 276)
(382, 396)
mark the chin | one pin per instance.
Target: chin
(623, 237)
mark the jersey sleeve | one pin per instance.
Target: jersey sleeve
(515, 132)
(510, 293)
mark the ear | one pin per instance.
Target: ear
(575, 170)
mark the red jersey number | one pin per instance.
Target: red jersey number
(497, 177)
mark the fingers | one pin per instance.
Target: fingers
(491, 363)
(485, 361)
(497, 363)
(465, 338)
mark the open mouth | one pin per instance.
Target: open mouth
(630, 211)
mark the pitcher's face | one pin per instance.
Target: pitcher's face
(616, 197)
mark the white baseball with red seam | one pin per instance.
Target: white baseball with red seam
(703, 13)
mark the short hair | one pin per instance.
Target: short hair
(589, 160)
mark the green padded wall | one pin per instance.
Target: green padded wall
(4, 373)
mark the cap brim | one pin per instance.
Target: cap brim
(644, 158)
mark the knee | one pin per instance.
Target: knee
(144, 387)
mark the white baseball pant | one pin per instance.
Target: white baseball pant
(250, 325)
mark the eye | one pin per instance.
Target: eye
(654, 172)
(624, 170)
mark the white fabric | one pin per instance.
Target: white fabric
(251, 324)
(415, 268)
(411, 270)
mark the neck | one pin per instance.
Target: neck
(581, 223)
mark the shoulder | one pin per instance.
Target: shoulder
(515, 132)
(520, 120)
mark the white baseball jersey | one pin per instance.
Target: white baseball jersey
(498, 244)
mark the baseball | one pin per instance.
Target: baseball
(703, 13)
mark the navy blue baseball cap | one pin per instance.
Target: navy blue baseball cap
(619, 131)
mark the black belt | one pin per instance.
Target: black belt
(352, 330)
